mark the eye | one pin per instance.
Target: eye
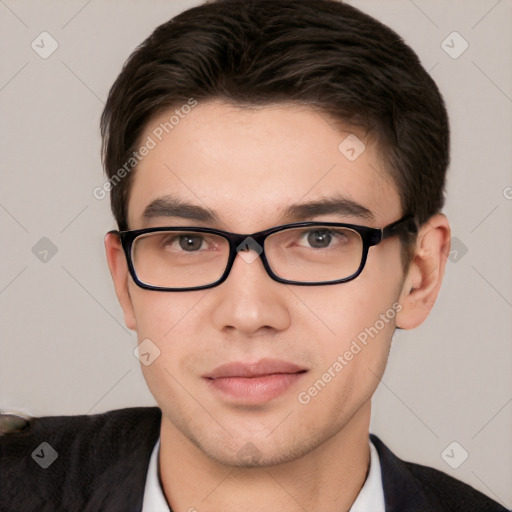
(190, 242)
(181, 242)
(319, 238)
(323, 238)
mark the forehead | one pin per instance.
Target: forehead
(249, 165)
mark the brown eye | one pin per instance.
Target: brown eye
(190, 243)
(320, 238)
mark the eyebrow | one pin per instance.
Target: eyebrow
(170, 206)
(332, 205)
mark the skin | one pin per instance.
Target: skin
(247, 165)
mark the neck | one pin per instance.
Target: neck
(328, 478)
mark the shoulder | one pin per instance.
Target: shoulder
(413, 487)
(75, 461)
(85, 435)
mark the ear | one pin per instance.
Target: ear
(120, 275)
(425, 274)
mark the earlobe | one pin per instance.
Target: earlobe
(425, 274)
(119, 271)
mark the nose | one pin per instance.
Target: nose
(250, 301)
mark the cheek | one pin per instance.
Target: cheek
(167, 320)
(354, 323)
(357, 327)
(171, 322)
(343, 311)
(161, 314)
(351, 355)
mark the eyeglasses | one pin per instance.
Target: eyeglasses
(303, 253)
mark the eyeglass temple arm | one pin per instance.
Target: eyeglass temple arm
(405, 225)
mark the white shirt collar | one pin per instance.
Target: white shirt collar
(154, 499)
(371, 496)
(369, 499)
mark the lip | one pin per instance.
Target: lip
(260, 368)
(256, 382)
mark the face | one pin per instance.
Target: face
(301, 371)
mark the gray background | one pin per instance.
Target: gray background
(64, 347)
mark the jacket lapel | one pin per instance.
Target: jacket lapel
(402, 491)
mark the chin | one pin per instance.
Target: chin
(257, 453)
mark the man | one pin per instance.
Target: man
(276, 171)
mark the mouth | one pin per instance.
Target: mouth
(254, 383)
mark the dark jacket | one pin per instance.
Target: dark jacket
(102, 461)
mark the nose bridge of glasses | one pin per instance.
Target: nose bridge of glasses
(248, 247)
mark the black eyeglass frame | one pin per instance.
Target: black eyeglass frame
(369, 236)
